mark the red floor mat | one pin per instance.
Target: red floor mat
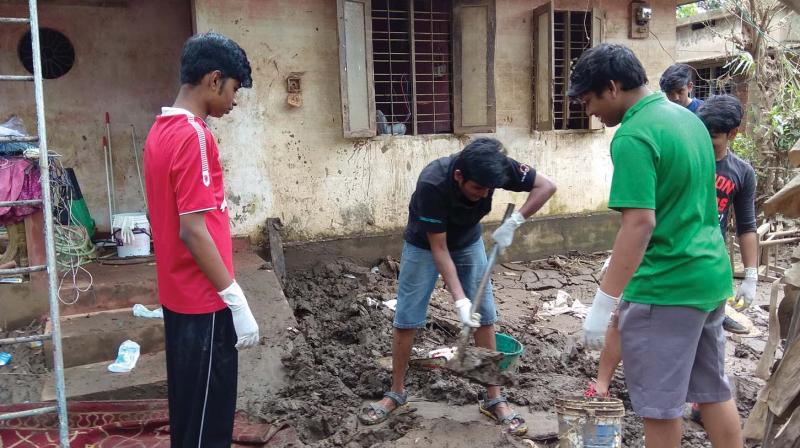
(132, 423)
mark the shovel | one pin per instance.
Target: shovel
(475, 362)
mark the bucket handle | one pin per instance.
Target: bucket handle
(136, 230)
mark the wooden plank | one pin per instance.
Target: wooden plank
(789, 433)
(474, 108)
(791, 294)
(785, 382)
(356, 69)
(756, 421)
(786, 201)
(768, 356)
(598, 35)
(543, 68)
(276, 248)
(794, 154)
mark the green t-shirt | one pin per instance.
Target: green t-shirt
(664, 161)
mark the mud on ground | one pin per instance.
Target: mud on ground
(344, 329)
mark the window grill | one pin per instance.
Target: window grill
(572, 31)
(391, 52)
(412, 64)
(712, 80)
(433, 66)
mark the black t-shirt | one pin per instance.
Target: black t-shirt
(736, 184)
(438, 205)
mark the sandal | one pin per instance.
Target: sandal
(380, 413)
(487, 408)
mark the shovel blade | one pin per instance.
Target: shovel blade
(480, 365)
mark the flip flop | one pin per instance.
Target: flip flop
(487, 408)
(379, 414)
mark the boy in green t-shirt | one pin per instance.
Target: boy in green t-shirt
(669, 256)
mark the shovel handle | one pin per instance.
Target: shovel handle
(476, 301)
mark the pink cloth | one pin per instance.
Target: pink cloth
(19, 180)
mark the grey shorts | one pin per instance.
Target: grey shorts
(672, 355)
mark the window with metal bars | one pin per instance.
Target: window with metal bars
(559, 40)
(712, 80)
(412, 57)
(572, 35)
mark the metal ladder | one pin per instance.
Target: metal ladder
(47, 207)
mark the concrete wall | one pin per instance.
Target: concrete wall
(295, 164)
(127, 61)
(706, 42)
(712, 42)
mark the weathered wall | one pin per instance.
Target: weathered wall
(295, 164)
(711, 41)
(706, 42)
(127, 61)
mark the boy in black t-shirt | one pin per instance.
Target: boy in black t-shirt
(443, 235)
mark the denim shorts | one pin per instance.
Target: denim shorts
(418, 275)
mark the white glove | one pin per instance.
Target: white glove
(596, 323)
(463, 307)
(747, 290)
(505, 233)
(605, 267)
(243, 320)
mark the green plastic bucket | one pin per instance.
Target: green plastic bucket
(510, 348)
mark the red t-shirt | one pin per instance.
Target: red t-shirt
(183, 175)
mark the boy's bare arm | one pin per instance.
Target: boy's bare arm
(629, 248)
(195, 236)
(543, 190)
(749, 246)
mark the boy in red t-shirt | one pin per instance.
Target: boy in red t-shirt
(206, 315)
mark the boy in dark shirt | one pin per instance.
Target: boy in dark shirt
(676, 83)
(443, 235)
(736, 179)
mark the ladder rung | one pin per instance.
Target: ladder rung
(15, 78)
(24, 339)
(15, 139)
(28, 413)
(25, 270)
(18, 203)
(14, 20)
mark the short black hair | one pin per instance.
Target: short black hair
(676, 76)
(604, 63)
(206, 52)
(721, 114)
(484, 162)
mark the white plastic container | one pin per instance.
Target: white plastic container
(140, 226)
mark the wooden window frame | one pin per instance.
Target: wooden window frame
(459, 127)
(370, 129)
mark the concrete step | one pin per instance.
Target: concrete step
(94, 337)
(94, 382)
(113, 287)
